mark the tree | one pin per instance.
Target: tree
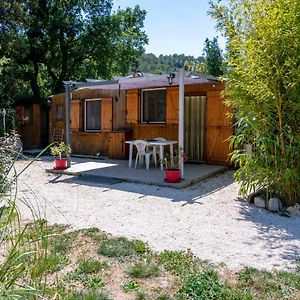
(213, 58)
(48, 41)
(263, 86)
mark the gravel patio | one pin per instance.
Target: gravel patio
(209, 217)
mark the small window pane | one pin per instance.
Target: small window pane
(93, 115)
(59, 112)
(154, 106)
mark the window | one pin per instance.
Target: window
(92, 117)
(59, 112)
(154, 106)
(28, 115)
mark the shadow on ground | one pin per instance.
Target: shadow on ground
(273, 228)
(190, 195)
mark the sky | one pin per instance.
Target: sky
(176, 26)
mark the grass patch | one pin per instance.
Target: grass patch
(121, 247)
(271, 285)
(95, 234)
(143, 271)
(89, 295)
(87, 266)
(177, 262)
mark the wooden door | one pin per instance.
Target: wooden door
(218, 130)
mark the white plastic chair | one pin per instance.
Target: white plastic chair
(142, 152)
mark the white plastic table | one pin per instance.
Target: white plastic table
(161, 145)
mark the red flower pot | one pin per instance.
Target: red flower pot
(60, 164)
(172, 175)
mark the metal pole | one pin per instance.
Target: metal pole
(68, 99)
(181, 121)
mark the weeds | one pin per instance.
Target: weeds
(121, 247)
(130, 285)
(143, 271)
(87, 266)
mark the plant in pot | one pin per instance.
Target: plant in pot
(60, 151)
(172, 164)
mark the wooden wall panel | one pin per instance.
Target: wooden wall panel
(217, 148)
(106, 114)
(218, 130)
(75, 114)
(150, 131)
(89, 143)
(58, 125)
(31, 131)
(116, 145)
(119, 112)
(172, 105)
(132, 106)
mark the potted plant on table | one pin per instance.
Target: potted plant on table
(172, 165)
(60, 151)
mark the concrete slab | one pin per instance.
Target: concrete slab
(118, 170)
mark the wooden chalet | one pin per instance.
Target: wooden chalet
(32, 120)
(103, 117)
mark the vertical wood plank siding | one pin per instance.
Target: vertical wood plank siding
(218, 129)
(126, 114)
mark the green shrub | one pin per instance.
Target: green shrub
(204, 286)
(143, 271)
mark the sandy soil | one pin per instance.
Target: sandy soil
(208, 218)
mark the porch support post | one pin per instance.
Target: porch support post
(68, 100)
(68, 130)
(181, 121)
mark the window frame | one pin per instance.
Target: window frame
(58, 107)
(85, 114)
(142, 106)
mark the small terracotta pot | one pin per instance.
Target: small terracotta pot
(172, 175)
(60, 164)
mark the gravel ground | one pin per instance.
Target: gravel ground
(208, 218)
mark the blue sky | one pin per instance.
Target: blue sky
(176, 26)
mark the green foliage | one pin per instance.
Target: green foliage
(95, 234)
(178, 263)
(87, 296)
(87, 266)
(130, 285)
(120, 247)
(94, 282)
(61, 149)
(213, 58)
(263, 85)
(46, 42)
(164, 64)
(143, 270)
(206, 286)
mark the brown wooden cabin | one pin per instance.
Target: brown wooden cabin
(32, 120)
(104, 117)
